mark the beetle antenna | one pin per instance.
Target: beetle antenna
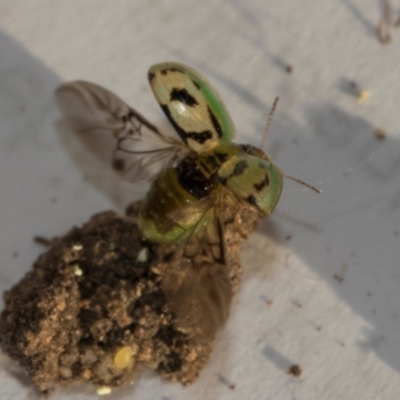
(271, 114)
(264, 138)
(319, 191)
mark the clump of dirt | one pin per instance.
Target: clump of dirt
(101, 304)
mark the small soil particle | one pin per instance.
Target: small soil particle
(294, 370)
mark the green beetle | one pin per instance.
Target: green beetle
(194, 175)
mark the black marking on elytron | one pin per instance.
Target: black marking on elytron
(215, 122)
(181, 132)
(252, 200)
(198, 87)
(240, 167)
(183, 96)
(172, 69)
(192, 179)
(151, 76)
(261, 185)
(222, 157)
(118, 164)
(200, 137)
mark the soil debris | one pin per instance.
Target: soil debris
(102, 304)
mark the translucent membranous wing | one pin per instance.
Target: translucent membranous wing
(201, 292)
(104, 122)
(192, 105)
(200, 296)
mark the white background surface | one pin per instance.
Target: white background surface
(345, 336)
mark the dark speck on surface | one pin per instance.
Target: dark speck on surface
(294, 370)
(289, 69)
(380, 134)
